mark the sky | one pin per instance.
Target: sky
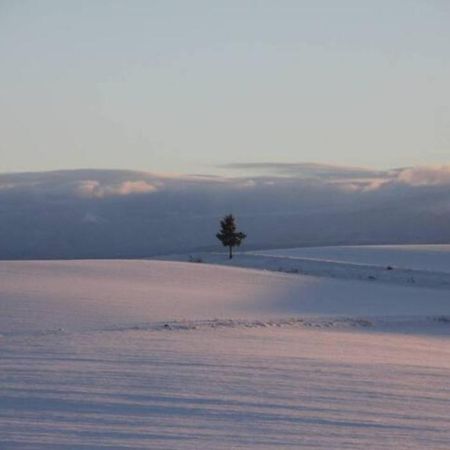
(202, 86)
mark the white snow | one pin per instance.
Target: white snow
(419, 265)
(176, 355)
(419, 257)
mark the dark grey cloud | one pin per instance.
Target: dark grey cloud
(108, 213)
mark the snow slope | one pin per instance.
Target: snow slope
(160, 354)
(420, 265)
(418, 257)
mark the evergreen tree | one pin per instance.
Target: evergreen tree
(228, 235)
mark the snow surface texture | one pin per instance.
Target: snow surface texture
(172, 355)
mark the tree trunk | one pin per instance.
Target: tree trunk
(231, 252)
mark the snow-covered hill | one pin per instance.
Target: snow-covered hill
(434, 258)
(163, 354)
(418, 265)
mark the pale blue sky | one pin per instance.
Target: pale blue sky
(184, 86)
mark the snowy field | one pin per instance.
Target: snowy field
(419, 257)
(416, 265)
(176, 355)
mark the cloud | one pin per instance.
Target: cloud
(325, 172)
(425, 176)
(350, 178)
(82, 183)
(94, 189)
(88, 188)
(107, 213)
(98, 184)
(344, 178)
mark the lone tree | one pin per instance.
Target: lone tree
(228, 235)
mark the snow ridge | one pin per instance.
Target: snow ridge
(291, 322)
(336, 323)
